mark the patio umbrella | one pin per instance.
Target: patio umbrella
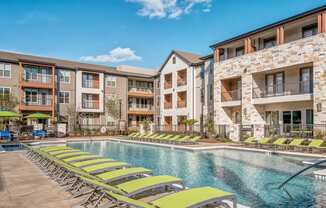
(38, 116)
(9, 114)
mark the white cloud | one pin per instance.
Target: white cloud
(170, 8)
(116, 55)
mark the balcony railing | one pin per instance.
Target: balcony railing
(181, 104)
(38, 101)
(37, 77)
(90, 104)
(167, 105)
(167, 85)
(140, 107)
(303, 87)
(295, 130)
(232, 95)
(140, 89)
(90, 84)
(181, 82)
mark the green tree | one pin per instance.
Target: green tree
(113, 106)
(8, 102)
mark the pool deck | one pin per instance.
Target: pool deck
(22, 184)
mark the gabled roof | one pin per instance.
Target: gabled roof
(187, 57)
(267, 27)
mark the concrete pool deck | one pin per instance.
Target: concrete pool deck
(22, 184)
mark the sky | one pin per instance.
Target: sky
(133, 32)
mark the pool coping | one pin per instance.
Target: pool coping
(173, 146)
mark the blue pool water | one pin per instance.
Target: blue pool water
(253, 177)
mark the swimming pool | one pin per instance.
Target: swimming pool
(253, 177)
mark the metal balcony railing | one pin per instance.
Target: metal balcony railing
(167, 85)
(38, 100)
(90, 84)
(181, 104)
(232, 95)
(37, 77)
(303, 87)
(167, 105)
(140, 107)
(140, 89)
(90, 104)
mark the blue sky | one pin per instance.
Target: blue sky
(134, 32)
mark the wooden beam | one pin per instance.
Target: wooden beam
(53, 91)
(280, 35)
(217, 55)
(247, 45)
(320, 22)
(323, 21)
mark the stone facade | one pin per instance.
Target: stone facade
(311, 50)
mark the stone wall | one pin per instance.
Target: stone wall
(304, 51)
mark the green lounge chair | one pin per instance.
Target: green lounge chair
(116, 175)
(315, 144)
(154, 139)
(164, 138)
(174, 138)
(195, 197)
(263, 141)
(134, 187)
(59, 152)
(72, 154)
(183, 139)
(81, 158)
(280, 143)
(250, 141)
(51, 149)
(203, 196)
(194, 139)
(135, 136)
(99, 168)
(92, 162)
(147, 138)
(295, 143)
(132, 134)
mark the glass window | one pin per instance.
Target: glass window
(111, 81)
(64, 76)
(64, 97)
(239, 51)
(309, 116)
(5, 70)
(309, 30)
(269, 42)
(4, 92)
(174, 60)
(306, 80)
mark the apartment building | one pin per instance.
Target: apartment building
(141, 95)
(184, 84)
(77, 93)
(273, 80)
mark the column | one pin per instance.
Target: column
(280, 35)
(217, 55)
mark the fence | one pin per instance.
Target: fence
(296, 130)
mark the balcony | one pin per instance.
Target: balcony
(182, 78)
(90, 84)
(288, 92)
(36, 104)
(37, 80)
(90, 104)
(167, 105)
(134, 91)
(231, 98)
(182, 99)
(139, 109)
(168, 81)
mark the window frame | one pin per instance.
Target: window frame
(269, 40)
(65, 93)
(4, 69)
(313, 27)
(239, 49)
(64, 76)
(111, 79)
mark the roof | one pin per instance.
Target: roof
(189, 58)
(66, 64)
(137, 70)
(270, 26)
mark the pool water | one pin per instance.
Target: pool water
(253, 177)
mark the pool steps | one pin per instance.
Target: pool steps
(320, 175)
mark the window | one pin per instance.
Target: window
(64, 97)
(64, 76)
(4, 92)
(274, 84)
(31, 96)
(239, 51)
(174, 60)
(111, 81)
(306, 80)
(309, 30)
(5, 70)
(309, 117)
(269, 42)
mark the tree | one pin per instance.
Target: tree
(73, 117)
(8, 102)
(146, 124)
(113, 106)
(209, 126)
(190, 123)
